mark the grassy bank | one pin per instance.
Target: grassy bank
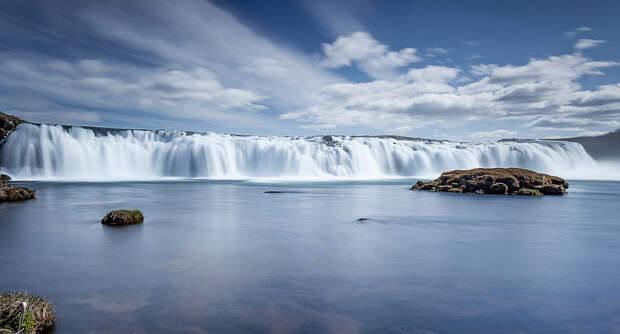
(37, 318)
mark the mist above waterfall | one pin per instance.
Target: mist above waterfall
(75, 153)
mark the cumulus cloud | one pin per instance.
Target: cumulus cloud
(98, 63)
(585, 43)
(373, 57)
(439, 74)
(495, 134)
(542, 92)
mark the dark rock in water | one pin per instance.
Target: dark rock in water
(123, 217)
(4, 179)
(496, 181)
(552, 189)
(13, 193)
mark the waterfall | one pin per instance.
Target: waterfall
(76, 153)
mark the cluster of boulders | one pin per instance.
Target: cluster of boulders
(8, 124)
(13, 193)
(496, 181)
(123, 217)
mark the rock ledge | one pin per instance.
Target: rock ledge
(503, 181)
(8, 124)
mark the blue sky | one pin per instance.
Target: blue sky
(474, 71)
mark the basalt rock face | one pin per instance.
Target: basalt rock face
(13, 193)
(123, 217)
(8, 124)
(502, 181)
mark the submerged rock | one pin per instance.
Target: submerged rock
(123, 217)
(496, 181)
(13, 193)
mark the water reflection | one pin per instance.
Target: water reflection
(226, 257)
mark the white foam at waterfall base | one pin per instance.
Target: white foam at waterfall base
(51, 152)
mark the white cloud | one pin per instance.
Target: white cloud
(439, 74)
(435, 95)
(346, 49)
(573, 34)
(432, 52)
(189, 92)
(585, 43)
(371, 56)
(194, 61)
(495, 134)
(337, 16)
(591, 133)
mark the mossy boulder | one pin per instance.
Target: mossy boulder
(38, 316)
(13, 193)
(432, 186)
(528, 192)
(502, 181)
(444, 188)
(123, 217)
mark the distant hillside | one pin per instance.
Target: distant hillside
(603, 147)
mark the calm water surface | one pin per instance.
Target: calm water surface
(224, 257)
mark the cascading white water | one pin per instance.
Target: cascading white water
(75, 153)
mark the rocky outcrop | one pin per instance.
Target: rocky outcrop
(502, 181)
(13, 193)
(123, 217)
(8, 124)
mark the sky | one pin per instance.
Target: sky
(471, 71)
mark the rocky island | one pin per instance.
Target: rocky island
(504, 181)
